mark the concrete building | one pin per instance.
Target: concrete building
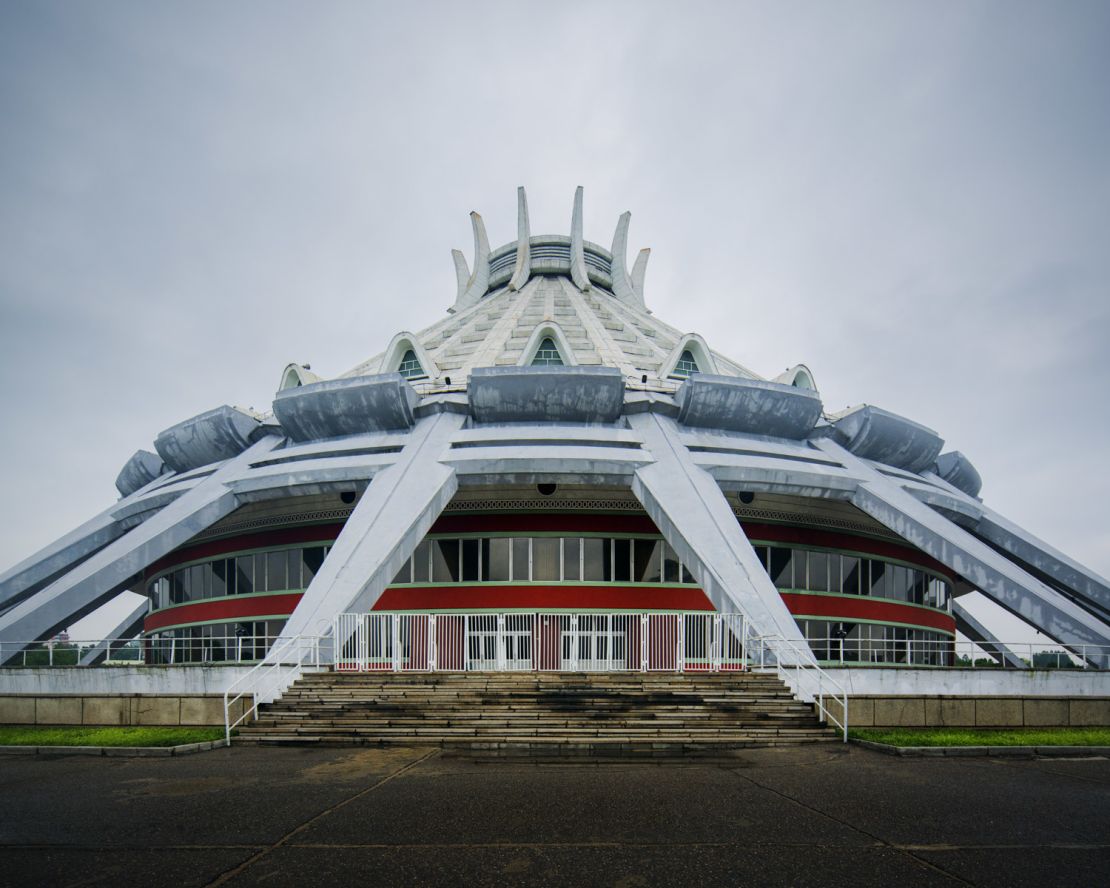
(551, 477)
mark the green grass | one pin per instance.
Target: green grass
(38, 735)
(973, 737)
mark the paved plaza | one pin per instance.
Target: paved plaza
(828, 815)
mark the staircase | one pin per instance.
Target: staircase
(655, 714)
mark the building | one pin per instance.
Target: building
(550, 476)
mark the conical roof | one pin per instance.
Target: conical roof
(575, 293)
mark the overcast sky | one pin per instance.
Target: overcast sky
(910, 198)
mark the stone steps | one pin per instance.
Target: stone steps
(548, 713)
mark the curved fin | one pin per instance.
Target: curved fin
(577, 245)
(462, 273)
(639, 269)
(622, 283)
(478, 282)
(523, 245)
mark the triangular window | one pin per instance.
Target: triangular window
(685, 365)
(547, 354)
(410, 366)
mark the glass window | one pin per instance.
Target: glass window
(410, 366)
(687, 577)
(899, 582)
(445, 561)
(495, 559)
(545, 559)
(521, 549)
(404, 575)
(421, 560)
(622, 561)
(470, 554)
(648, 561)
(782, 567)
(547, 354)
(196, 580)
(595, 559)
(312, 559)
(849, 573)
(244, 574)
(685, 365)
(818, 572)
(670, 564)
(879, 584)
(293, 568)
(572, 555)
(276, 580)
(917, 586)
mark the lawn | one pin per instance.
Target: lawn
(38, 735)
(973, 737)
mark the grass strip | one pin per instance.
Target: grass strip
(981, 737)
(40, 735)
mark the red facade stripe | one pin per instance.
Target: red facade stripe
(232, 608)
(862, 608)
(538, 597)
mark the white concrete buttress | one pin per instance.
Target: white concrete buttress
(578, 245)
(523, 269)
(695, 518)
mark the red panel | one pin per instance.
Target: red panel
(862, 608)
(224, 609)
(539, 597)
(283, 536)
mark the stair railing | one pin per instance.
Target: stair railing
(282, 665)
(804, 675)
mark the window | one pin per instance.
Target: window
(685, 365)
(410, 366)
(547, 354)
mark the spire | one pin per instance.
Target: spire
(624, 286)
(577, 245)
(523, 246)
(478, 281)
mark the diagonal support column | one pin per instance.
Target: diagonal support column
(695, 518)
(978, 633)
(127, 628)
(39, 570)
(995, 576)
(106, 573)
(394, 514)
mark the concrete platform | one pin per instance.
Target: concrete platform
(828, 815)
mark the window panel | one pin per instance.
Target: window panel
(670, 564)
(572, 559)
(311, 560)
(495, 559)
(849, 573)
(293, 568)
(818, 580)
(276, 580)
(648, 563)
(521, 550)
(595, 559)
(782, 567)
(470, 554)
(404, 575)
(421, 559)
(545, 559)
(445, 561)
(879, 580)
(622, 561)
(244, 574)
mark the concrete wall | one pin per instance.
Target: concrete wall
(119, 709)
(900, 682)
(977, 712)
(120, 680)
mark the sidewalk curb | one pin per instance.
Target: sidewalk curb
(122, 751)
(979, 751)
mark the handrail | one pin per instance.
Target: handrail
(270, 667)
(807, 661)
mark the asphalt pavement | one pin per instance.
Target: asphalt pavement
(821, 815)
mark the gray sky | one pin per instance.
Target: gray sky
(910, 198)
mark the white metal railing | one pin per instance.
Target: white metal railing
(282, 666)
(556, 642)
(135, 651)
(802, 674)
